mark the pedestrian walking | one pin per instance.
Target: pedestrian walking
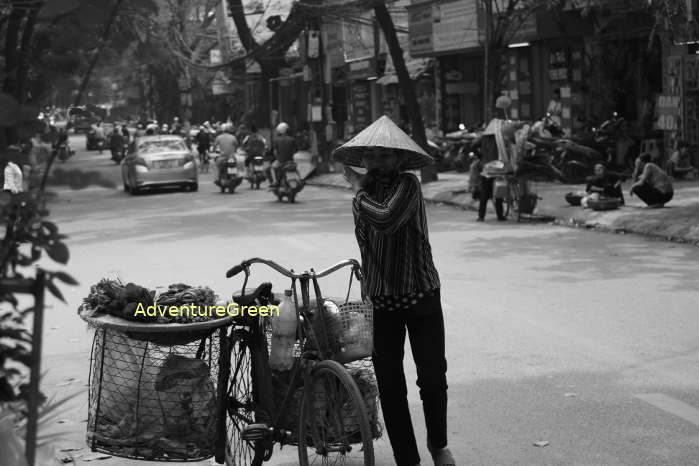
(391, 230)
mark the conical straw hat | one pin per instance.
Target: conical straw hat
(383, 133)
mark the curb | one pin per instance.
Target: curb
(563, 222)
(427, 200)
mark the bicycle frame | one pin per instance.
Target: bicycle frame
(303, 364)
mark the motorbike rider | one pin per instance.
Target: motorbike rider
(284, 149)
(99, 134)
(116, 142)
(126, 134)
(203, 140)
(176, 126)
(227, 144)
(255, 145)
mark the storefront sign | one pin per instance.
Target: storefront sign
(361, 105)
(455, 25)
(362, 69)
(358, 38)
(667, 110)
(558, 65)
(420, 26)
(333, 48)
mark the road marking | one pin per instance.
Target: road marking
(678, 408)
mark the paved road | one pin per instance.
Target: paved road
(588, 341)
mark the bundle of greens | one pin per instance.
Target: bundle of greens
(111, 296)
(192, 300)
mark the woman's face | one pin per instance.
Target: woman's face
(382, 161)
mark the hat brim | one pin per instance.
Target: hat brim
(354, 155)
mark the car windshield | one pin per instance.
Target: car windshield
(164, 145)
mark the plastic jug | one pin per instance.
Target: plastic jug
(283, 334)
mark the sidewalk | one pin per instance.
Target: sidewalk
(678, 221)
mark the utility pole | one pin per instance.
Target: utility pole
(486, 60)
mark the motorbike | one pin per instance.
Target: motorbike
(62, 150)
(257, 172)
(230, 176)
(290, 182)
(455, 149)
(619, 148)
(119, 153)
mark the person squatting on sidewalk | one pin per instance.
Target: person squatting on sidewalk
(391, 230)
(654, 186)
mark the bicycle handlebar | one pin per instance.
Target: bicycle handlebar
(256, 260)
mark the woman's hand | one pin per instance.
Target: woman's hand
(353, 178)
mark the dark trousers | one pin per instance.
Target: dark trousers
(487, 193)
(425, 327)
(652, 196)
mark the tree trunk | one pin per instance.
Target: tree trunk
(11, 84)
(100, 49)
(24, 51)
(412, 107)
(237, 11)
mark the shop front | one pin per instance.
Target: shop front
(451, 32)
(363, 94)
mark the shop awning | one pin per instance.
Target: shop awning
(416, 68)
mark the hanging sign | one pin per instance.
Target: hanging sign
(667, 111)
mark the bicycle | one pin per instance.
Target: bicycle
(252, 423)
(520, 200)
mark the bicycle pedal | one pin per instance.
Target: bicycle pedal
(254, 432)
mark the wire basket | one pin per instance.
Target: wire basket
(348, 334)
(362, 372)
(150, 401)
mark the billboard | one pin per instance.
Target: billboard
(443, 26)
(455, 25)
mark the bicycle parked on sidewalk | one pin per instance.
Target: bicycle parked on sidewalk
(333, 419)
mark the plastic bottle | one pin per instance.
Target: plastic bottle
(283, 334)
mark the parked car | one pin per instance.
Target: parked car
(159, 161)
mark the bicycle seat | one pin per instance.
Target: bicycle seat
(262, 293)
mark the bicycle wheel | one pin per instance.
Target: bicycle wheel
(334, 424)
(241, 405)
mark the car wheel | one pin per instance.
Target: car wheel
(194, 187)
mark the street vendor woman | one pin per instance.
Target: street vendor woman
(391, 230)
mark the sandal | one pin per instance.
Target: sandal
(443, 457)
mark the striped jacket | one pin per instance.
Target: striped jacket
(391, 229)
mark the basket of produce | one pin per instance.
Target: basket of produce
(153, 383)
(609, 203)
(168, 318)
